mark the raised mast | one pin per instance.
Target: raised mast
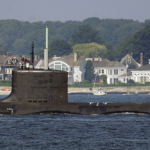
(46, 52)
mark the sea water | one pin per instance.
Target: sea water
(125, 131)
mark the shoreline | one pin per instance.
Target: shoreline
(5, 92)
(109, 90)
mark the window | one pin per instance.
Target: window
(122, 69)
(102, 70)
(115, 71)
(9, 61)
(110, 72)
(59, 66)
(99, 71)
(51, 66)
(115, 80)
(8, 70)
(110, 80)
(1, 77)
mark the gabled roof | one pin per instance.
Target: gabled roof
(143, 68)
(102, 63)
(107, 63)
(124, 59)
(5, 58)
(69, 59)
(114, 64)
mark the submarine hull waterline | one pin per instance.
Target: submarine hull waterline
(45, 91)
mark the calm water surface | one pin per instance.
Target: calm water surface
(126, 131)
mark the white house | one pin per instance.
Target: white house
(113, 69)
(142, 74)
(73, 64)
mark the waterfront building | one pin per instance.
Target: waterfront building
(73, 64)
(141, 74)
(7, 64)
(112, 69)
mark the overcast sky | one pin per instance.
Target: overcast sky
(78, 10)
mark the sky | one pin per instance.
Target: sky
(75, 10)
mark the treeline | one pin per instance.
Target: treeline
(17, 35)
(138, 43)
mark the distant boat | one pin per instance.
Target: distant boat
(99, 91)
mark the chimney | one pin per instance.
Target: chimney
(141, 59)
(55, 55)
(8, 53)
(35, 58)
(98, 58)
(46, 52)
(75, 57)
(131, 55)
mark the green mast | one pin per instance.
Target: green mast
(46, 37)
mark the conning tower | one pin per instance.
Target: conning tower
(39, 86)
(31, 85)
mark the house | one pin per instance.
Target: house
(142, 74)
(73, 64)
(113, 69)
(7, 64)
(128, 60)
(124, 78)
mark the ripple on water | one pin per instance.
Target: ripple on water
(68, 131)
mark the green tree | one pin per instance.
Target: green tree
(104, 78)
(89, 74)
(90, 50)
(21, 47)
(3, 50)
(86, 34)
(136, 44)
(59, 48)
(131, 81)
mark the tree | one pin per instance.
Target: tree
(104, 78)
(59, 48)
(136, 44)
(131, 81)
(90, 50)
(89, 74)
(21, 47)
(3, 50)
(86, 34)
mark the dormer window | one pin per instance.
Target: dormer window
(59, 66)
(14, 60)
(9, 61)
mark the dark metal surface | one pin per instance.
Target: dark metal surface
(36, 91)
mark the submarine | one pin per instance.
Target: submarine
(36, 91)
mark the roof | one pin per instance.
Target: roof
(107, 63)
(69, 59)
(143, 68)
(128, 74)
(4, 58)
(124, 60)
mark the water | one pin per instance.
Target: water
(127, 131)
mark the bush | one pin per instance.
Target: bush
(5, 82)
(131, 81)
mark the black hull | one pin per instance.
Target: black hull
(40, 91)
